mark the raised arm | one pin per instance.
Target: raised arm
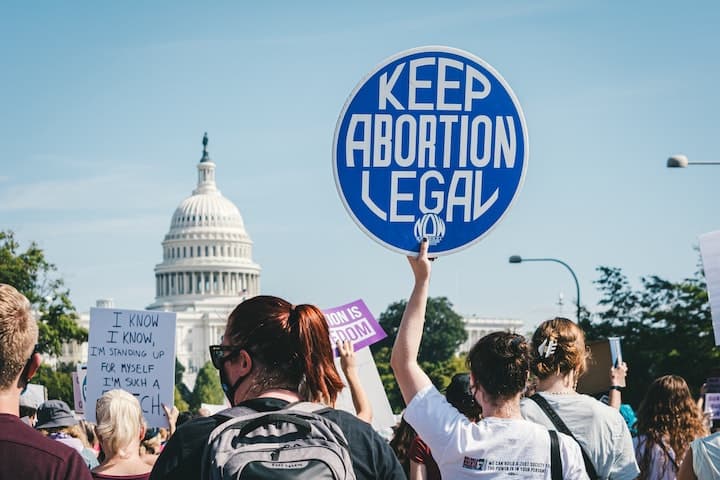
(363, 407)
(617, 381)
(410, 377)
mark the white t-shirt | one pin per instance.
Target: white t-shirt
(599, 429)
(706, 457)
(661, 465)
(492, 448)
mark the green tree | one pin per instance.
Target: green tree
(181, 390)
(207, 387)
(57, 382)
(443, 334)
(665, 328)
(35, 277)
(179, 401)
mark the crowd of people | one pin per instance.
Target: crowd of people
(515, 413)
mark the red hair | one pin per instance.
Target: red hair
(290, 344)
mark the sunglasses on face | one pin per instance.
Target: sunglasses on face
(218, 354)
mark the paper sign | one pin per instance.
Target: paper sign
(383, 418)
(616, 355)
(133, 350)
(710, 253)
(433, 144)
(712, 404)
(353, 322)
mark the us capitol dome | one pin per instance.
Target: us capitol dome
(206, 270)
(207, 253)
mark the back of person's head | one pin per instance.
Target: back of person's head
(289, 344)
(558, 347)
(119, 422)
(667, 406)
(402, 439)
(459, 395)
(18, 334)
(668, 415)
(500, 363)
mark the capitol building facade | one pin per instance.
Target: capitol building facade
(206, 270)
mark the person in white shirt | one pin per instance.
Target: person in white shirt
(502, 444)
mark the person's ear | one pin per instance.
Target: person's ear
(143, 430)
(33, 366)
(243, 363)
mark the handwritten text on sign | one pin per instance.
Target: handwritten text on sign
(355, 323)
(133, 350)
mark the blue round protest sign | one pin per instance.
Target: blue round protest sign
(432, 143)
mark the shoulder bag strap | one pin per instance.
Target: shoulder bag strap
(561, 427)
(555, 460)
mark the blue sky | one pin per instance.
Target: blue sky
(105, 103)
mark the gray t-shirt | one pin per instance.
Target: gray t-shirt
(600, 430)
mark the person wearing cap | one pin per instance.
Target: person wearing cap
(29, 403)
(58, 422)
(25, 453)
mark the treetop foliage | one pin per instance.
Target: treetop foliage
(33, 276)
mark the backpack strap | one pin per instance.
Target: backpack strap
(555, 460)
(561, 427)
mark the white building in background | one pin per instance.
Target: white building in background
(206, 270)
(477, 327)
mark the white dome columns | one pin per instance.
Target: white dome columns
(207, 254)
(203, 283)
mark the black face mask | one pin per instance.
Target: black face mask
(230, 390)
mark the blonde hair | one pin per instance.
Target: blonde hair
(18, 334)
(570, 353)
(119, 422)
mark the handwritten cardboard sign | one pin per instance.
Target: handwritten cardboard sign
(133, 350)
(353, 321)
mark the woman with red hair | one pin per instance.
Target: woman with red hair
(274, 353)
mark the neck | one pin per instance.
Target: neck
(10, 402)
(281, 394)
(558, 383)
(503, 409)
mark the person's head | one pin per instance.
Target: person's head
(55, 416)
(668, 415)
(499, 364)
(18, 336)
(558, 348)
(272, 344)
(458, 394)
(120, 424)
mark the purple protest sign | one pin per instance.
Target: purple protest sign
(353, 321)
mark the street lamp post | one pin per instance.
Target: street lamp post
(681, 161)
(519, 259)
